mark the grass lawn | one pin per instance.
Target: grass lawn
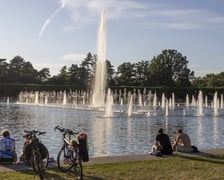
(178, 168)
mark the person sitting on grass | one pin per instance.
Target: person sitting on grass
(23, 157)
(162, 144)
(182, 142)
(7, 149)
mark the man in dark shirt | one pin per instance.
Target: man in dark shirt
(162, 143)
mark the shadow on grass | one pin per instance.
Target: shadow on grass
(56, 174)
(204, 157)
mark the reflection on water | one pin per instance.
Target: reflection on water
(117, 135)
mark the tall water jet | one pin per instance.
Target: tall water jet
(130, 106)
(215, 104)
(36, 98)
(167, 109)
(187, 100)
(64, 98)
(7, 100)
(154, 100)
(173, 101)
(200, 104)
(163, 103)
(100, 72)
(221, 103)
(109, 104)
(139, 98)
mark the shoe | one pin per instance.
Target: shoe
(153, 153)
(159, 154)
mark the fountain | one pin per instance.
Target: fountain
(130, 106)
(118, 124)
(167, 109)
(109, 104)
(215, 104)
(163, 104)
(200, 104)
(187, 101)
(121, 122)
(64, 98)
(100, 73)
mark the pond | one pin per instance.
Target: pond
(110, 136)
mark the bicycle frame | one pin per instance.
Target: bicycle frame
(69, 155)
(36, 155)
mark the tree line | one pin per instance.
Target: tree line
(168, 69)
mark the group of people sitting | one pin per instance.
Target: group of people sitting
(162, 145)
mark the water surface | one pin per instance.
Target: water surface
(117, 135)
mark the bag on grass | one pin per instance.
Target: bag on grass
(194, 149)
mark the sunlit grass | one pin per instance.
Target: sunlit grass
(163, 168)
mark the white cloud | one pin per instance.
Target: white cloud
(158, 15)
(83, 12)
(53, 67)
(182, 19)
(165, 16)
(47, 22)
(74, 57)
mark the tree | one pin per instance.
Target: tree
(63, 77)
(4, 78)
(170, 69)
(125, 75)
(110, 73)
(29, 74)
(142, 73)
(43, 75)
(21, 71)
(87, 69)
(74, 74)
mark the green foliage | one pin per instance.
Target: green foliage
(210, 81)
(168, 69)
(125, 74)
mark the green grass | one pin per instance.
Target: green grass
(194, 168)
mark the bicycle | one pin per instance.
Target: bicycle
(36, 153)
(70, 155)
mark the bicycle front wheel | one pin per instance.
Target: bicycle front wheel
(38, 166)
(78, 165)
(65, 159)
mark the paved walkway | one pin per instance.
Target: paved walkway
(114, 159)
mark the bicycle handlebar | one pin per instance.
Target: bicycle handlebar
(34, 132)
(65, 131)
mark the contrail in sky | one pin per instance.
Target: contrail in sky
(44, 26)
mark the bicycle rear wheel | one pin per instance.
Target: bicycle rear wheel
(44, 155)
(65, 159)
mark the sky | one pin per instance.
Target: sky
(54, 33)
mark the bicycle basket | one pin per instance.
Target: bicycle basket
(74, 143)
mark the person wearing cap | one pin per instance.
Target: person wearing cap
(7, 148)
